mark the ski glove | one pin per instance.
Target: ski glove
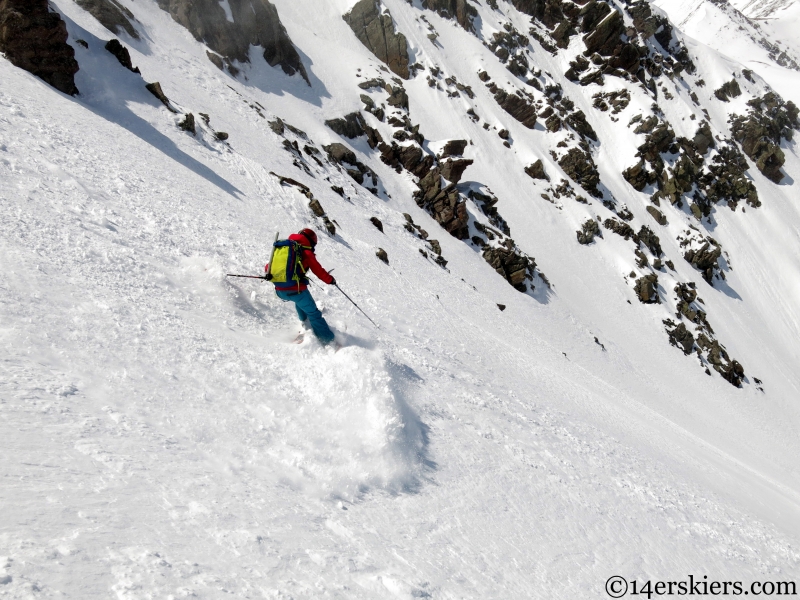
(333, 281)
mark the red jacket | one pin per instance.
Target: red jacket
(309, 261)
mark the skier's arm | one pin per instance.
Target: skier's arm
(317, 269)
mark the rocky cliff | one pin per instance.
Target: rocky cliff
(255, 22)
(35, 39)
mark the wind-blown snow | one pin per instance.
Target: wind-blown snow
(162, 438)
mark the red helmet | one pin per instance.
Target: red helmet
(309, 235)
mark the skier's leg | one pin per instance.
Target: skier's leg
(305, 302)
(293, 297)
(300, 312)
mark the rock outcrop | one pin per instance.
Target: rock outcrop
(255, 23)
(358, 171)
(588, 231)
(728, 90)
(760, 133)
(453, 170)
(647, 289)
(122, 54)
(581, 168)
(35, 39)
(377, 32)
(514, 267)
(353, 126)
(111, 15)
(453, 148)
(460, 10)
(705, 259)
(536, 170)
(515, 105)
(682, 338)
(411, 158)
(443, 203)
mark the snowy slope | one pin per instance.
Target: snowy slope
(749, 43)
(164, 440)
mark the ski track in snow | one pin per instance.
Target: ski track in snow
(163, 440)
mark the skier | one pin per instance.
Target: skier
(295, 288)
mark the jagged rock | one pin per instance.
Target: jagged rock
(377, 222)
(453, 170)
(648, 237)
(642, 260)
(343, 156)
(605, 35)
(277, 126)
(562, 34)
(511, 265)
(579, 65)
(221, 136)
(553, 123)
(579, 165)
(454, 148)
(705, 259)
(372, 83)
(728, 90)
(549, 12)
(316, 207)
(731, 370)
(687, 294)
(578, 122)
(353, 126)
(658, 141)
(643, 20)
(647, 289)
(460, 10)
(638, 176)
(704, 138)
(618, 100)
(329, 227)
(381, 254)
(377, 32)
(443, 203)
(112, 15)
(592, 14)
(397, 97)
(536, 170)
(519, 108)
(411, 158)
(647, 125)
(487, 205)
(255, 23)
(760, 133)
(188, 124)
(657, 215)
(620, 228)
(727, 180)
(121, 53)
(681, 337)
(155, 89)
(34, 39)
(588, 232)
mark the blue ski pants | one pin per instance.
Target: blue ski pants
(307, 309)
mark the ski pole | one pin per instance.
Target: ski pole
(247, 276)
(356, 305)
(265, 277)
